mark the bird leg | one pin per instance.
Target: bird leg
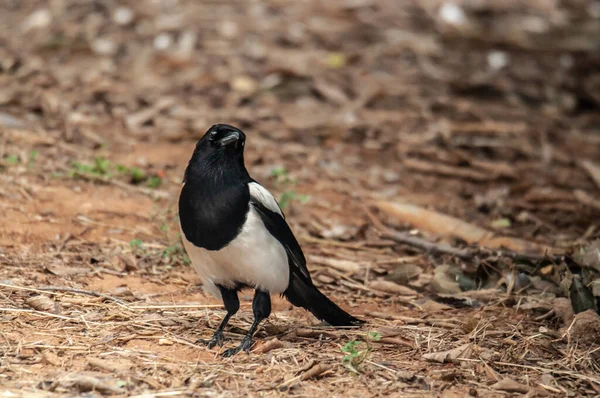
(261, 307)
(232, 305)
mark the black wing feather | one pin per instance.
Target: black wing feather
(301, 291)
(278, 227)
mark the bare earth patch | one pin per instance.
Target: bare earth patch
(443, 184)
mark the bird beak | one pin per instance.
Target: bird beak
(230, 138)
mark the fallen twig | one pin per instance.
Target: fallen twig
(448, 226)
(466, 253)
(267, 346)
(43, 313)
(315, 371)
(593, 169)
(81, 291)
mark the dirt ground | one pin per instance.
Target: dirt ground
(434, 185)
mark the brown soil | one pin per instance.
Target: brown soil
(341, 95)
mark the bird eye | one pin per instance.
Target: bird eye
(213, 133)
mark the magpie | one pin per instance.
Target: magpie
(236, 237)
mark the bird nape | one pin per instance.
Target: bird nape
(236, 237)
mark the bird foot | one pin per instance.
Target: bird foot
(216, 339)
(244, 346)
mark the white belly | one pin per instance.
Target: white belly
(254, 257)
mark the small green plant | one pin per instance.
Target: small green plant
(282, 178)
(33, 155)
(174, 252)
(103, 169)
(354, 355)
(100, 167)
(12, 159)
(351, 350)
(137, 175)
(154, 182)
(357, 351)
(289, 196)
(136, 245)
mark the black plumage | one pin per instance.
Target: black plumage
(236, 236)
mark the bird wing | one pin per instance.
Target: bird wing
(271, 215)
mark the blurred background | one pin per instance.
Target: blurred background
(468, 123)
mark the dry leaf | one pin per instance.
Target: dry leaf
(165, 342)
(448, 226)
(395, 341)
(51, 358)
(136, 120)
(62, 270)
(490, 373)
(591, 258)
(404, 273)
(444, 280)
(421, 281)
(446, 170)
(119, 366)
(244, 84)
(593, 169)
(581, 296)
(86, 382)
(264, 347)
(543, 285)
(330, 91)
(350, 267)
(595, 286)
(41, 303)
(325, 278)
(510, 385)
(430, 306)
(464, 351)
(391, 287)
(315, 371)
(585, 328)
(586, 199)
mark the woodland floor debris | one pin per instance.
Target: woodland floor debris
(480, 153)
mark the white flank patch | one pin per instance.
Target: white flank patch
(254, 257)
(262, 195)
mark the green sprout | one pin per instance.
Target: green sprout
(137, 175)
(282, 178)
(32, 157)
(355, 353)
(154, 182)
(100, 167)
(289, 196)
(136, 245)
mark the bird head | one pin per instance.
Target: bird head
(221, 147)
(225, 137)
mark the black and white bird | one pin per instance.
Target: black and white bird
(236, 237)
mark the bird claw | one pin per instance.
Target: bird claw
(244, 346)
(216, 339)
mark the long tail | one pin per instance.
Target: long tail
(303, 293)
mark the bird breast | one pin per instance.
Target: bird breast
(254, 257)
